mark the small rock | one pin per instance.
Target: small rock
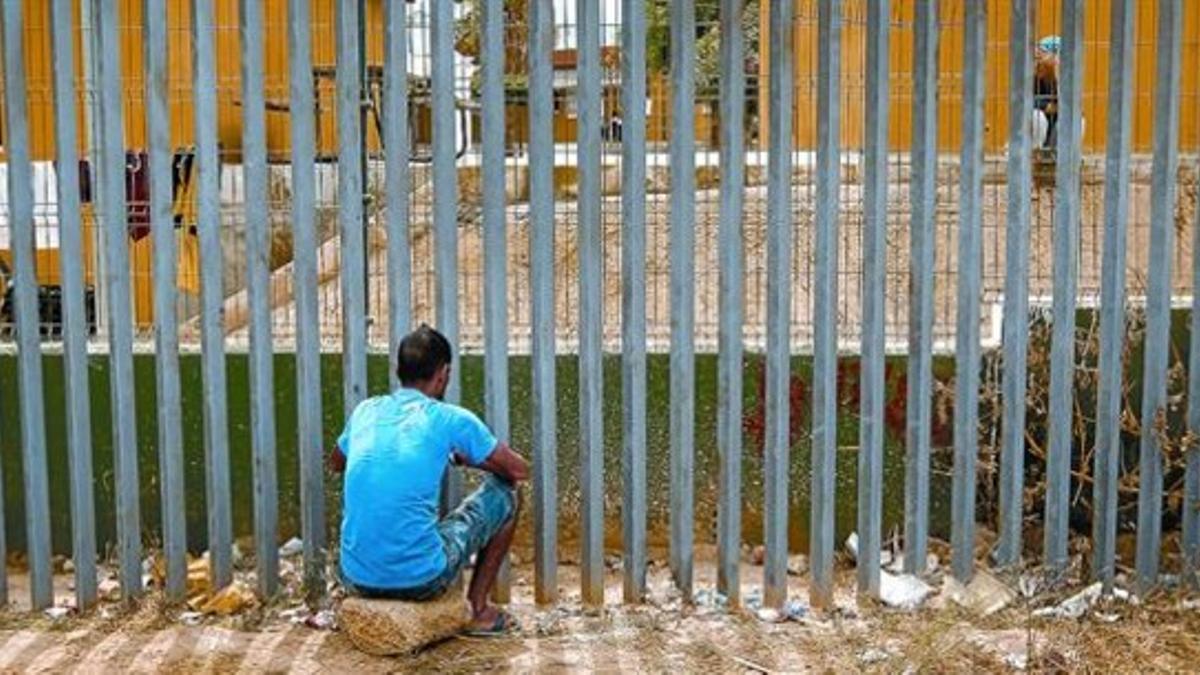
(873, 655)
(758, 554)
(797, 565)
(985, 594)
(292, 547)
(57, 613)
(769, 615)
(852, 545)
(190, 618)
(109, 589)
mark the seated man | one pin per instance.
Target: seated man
(395, 450)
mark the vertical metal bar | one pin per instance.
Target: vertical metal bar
(1112, 293)
(541, 276)
(1066, 248)
(779, 305)
(495, 232)
(683, 273)
(966, 352)
(445, 202)
(350, 206)
(1191, 480)
(591, 304)
(633, 293)
(824, 424)
(1016, 283)
(166, 323)
(1158, 299)
(212, 297)
(120, 319)
(920, 324)
(258, 276)
(74, 315)
(308, 329)
(731, 264)
(396, 149)
(33, 421)
(875, 202)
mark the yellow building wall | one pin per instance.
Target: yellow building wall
(229, 95)
(1047, 20)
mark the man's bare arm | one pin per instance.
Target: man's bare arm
(506, 463)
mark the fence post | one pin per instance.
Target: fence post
(1158, 297)
(350, 205)
(920, 322)
(258, 277)
(120, 322)
(779, 305)
(1066, 248)
(304, 266)
(166, 322)
(824, 406)
(495, 232)
(683, 287)
(966, 353)
(396, 147)
(633, 293)
(730, 271)
(541, 276)
(1016, 283)
(75, 329)
(445, 203)
(212, 297)
(21, 223)
(591, 304)
(1112, 294)
(871, 430)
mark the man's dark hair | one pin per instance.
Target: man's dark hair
(422, 352)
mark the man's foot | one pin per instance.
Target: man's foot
(491, 622)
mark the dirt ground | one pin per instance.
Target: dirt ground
(662, 635)
(754, 238)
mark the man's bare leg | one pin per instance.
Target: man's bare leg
(487, 568)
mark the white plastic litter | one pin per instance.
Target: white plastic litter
(291, 547)
(902, 591)
(1077, 605)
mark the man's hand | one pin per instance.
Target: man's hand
(337, 460)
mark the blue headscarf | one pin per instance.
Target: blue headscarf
(1051, 44)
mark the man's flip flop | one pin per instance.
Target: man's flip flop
(503, 625)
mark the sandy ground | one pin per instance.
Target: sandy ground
(662, 635)
(754, 238)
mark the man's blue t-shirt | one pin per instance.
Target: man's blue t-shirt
(397, 448)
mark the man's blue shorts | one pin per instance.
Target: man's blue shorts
(464, 532)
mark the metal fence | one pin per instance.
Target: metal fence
(661, 238)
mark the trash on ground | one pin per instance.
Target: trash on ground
(797, 565)
(885, 556)
(902, 591)
(109, 589)
(190, 618)
(984, 595)
(896, 566)
(1077, 605)
(873, 655)
(232, 599)
(1011, 646)
(57, 613)
(322, 620)
(292, 547)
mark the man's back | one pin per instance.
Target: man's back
(397, 448)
